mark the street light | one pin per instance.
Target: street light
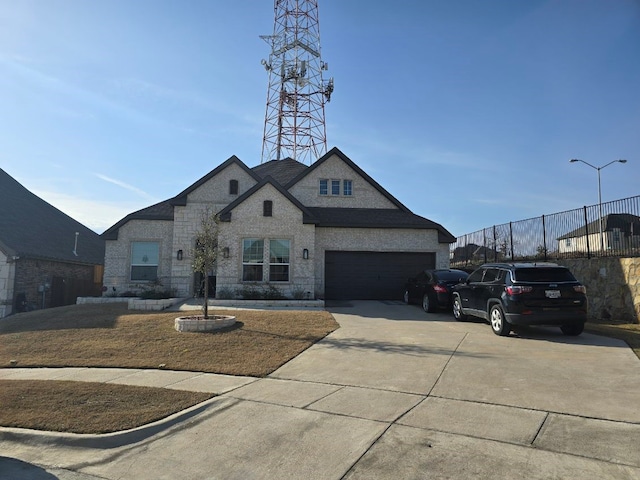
(573, 160)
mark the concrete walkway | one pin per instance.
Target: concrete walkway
(394, 393)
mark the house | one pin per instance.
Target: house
(620, 231)
(326, 231)
(47, 258)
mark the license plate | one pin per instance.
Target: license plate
(552, 293)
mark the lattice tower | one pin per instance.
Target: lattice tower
(294, 124)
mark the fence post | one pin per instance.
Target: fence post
(495, 245)
(586, 229)
(511, 240)
(544, 238)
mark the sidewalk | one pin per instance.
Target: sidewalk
(394, 393)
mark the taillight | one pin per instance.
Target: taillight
(580, 289)
(439, 289)
(517, 289)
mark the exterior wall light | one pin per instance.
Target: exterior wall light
(179, 255)
(225, 252)
(305, 254)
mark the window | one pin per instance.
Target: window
(233, 187)
(279, 260)
(324, 187)
(144, 261)
(347, 188)
(252, 259)
(567, 242)
(267, 208)
(335, 187)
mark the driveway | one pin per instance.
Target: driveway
(394, 393)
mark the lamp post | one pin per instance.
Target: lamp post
(573, 160)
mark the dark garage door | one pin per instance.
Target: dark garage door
(371, 275)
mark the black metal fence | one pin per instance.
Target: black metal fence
(607, 229)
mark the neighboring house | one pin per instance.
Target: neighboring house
(322, 231)
(47, 258)
(474, 254)
(620, 231)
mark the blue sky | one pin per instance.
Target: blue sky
(466, 111)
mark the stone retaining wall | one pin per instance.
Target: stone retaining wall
(133, 303)
(613, 287)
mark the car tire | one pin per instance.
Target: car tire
(457, 309)
(428, 305)
(405, 297)
(498, 322)
(572, 329)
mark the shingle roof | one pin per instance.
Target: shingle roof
(282, 171)
(376, 218)
(626, 222)
(159, 211)
(31, 227)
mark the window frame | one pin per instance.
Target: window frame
(284, 265)
(132, 260)
(335, 187)
(252, 266)
(323, 187)
(347, 192)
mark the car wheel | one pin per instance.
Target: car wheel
(457, 310)
(572, 329)
(406, 296)
(427, 305)
(499, 324)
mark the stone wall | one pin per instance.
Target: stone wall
(613, 287)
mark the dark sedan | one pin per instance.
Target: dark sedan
(433, 288)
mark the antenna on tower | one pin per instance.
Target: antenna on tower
(294, 123)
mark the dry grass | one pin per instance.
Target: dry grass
(82, 407)
(112, 336)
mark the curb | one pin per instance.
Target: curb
(113, 439)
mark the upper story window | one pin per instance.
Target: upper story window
(144, 261)
(324, 187)
(233, 187)
(335, 187)
(267, 208)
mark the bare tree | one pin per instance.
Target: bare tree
(206, 251)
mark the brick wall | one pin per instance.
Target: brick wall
(32, 274)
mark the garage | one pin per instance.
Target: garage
(371, 275)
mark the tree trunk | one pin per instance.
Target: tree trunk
(206, 295)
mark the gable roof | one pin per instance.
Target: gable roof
(356, 168)
(376, 218)
(626, 222)
(159, 211)
(225, 213)
(32, 228)
(164, 210)
(181, 198)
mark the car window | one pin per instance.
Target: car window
(541, 274)
(491, 275)
(451, 276)
(477, 275)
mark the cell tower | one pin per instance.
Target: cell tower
(294, 121)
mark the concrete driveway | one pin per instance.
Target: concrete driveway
(394, 393)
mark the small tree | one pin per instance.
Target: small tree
(206, 251)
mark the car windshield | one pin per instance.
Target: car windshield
(541, 274)
(451, 276)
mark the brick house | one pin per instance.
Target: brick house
(47, 258)
(322, 231)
